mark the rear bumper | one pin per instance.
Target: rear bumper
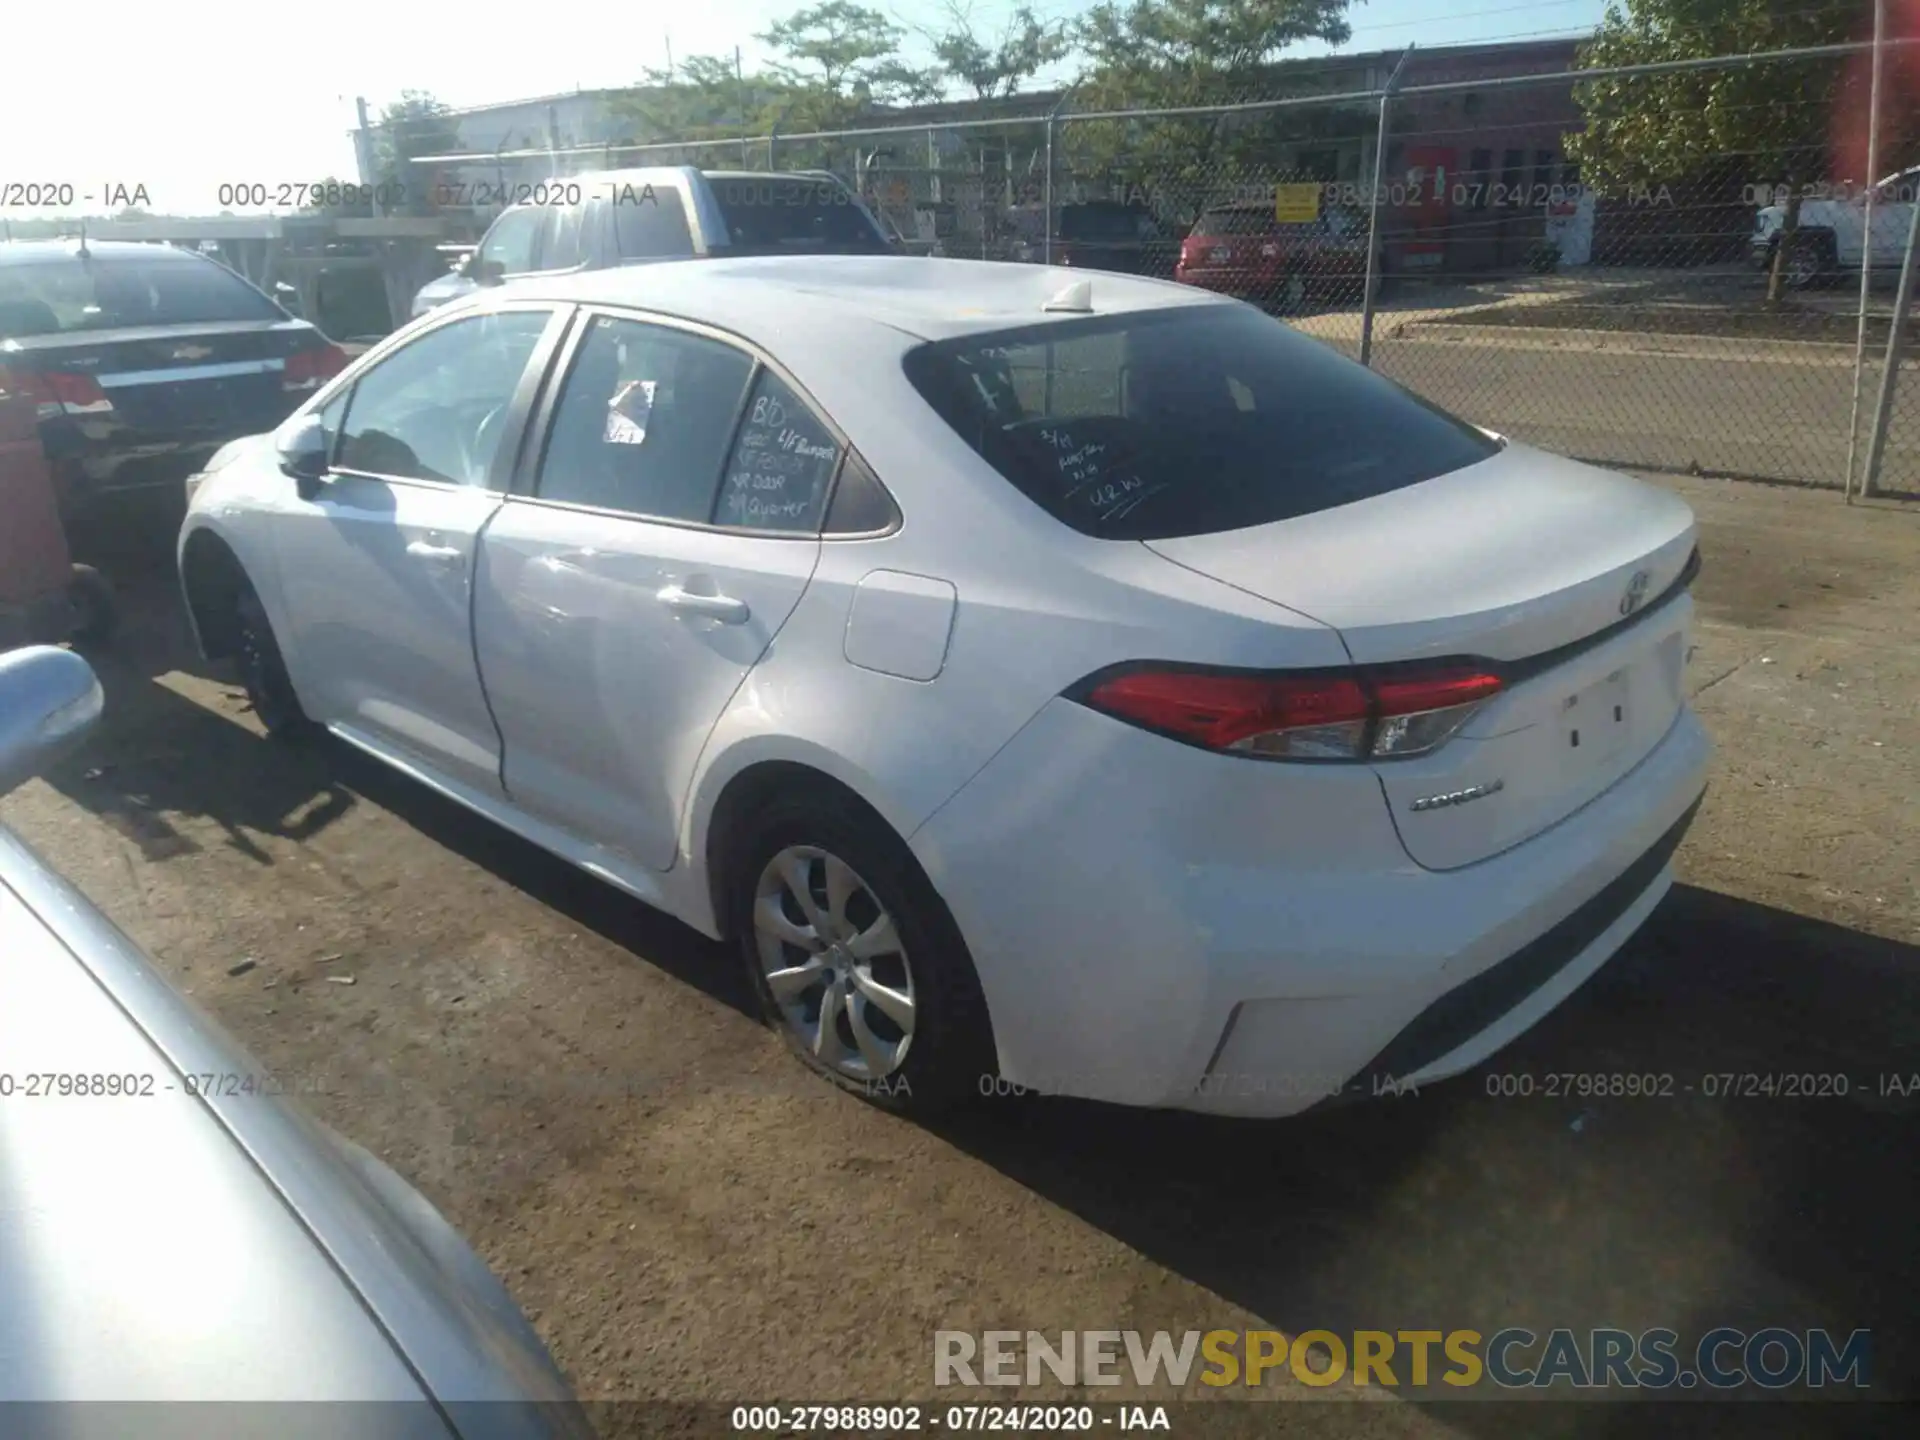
(90, 471)
(1264, 944)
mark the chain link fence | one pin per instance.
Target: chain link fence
(1445, 235)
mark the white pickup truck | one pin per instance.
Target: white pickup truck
(1833, 229)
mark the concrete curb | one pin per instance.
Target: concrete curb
(1637, 342)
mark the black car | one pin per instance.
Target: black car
(143, 360)
(1110, 235)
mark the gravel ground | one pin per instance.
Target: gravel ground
(688, 1218)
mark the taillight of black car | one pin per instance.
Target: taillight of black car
(56, 392)
(1381, 714)
(310, 369)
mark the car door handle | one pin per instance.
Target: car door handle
(723, 608)
(427, 550)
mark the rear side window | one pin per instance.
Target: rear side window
(650, 221)
(644, 421)
(1184, 421)
(776, 215)
(115, 290)
(782, 463)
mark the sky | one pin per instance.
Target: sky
(182, 99)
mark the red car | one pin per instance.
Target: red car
(1244, 251)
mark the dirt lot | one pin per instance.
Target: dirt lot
(576, 1082)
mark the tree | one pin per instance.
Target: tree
(1768, 119)
(415, 124)
(846, 50)
(996, 69)
(702, 97)
(1159, 54)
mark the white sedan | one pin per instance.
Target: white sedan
(1078, 684)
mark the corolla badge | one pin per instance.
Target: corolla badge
(1458, 797)
(1636, 592)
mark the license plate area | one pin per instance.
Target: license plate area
(1597, 722)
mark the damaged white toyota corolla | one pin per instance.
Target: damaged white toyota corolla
(1077, 683)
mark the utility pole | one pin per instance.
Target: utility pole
(364, 157)
(669, 59)
(1866, 236)
(1373, 211)
(739, 73)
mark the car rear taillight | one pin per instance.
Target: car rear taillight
(310, 369)
(56, 392)
(1383, 714)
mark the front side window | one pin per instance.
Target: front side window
(1184, 421)
(330, 415)
(436, 408)
(643, 422)
(509, 243)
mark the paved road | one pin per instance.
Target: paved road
(689, 1218)
(1671, 404)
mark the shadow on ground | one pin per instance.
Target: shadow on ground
(1459, 1208)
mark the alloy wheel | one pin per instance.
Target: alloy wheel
(833, 963)
(1803, 265)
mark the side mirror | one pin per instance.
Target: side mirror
(486, 272)
(49, 700)
(288, 297)
(302, 450)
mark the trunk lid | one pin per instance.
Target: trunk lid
(179, 378)
(1565, 575)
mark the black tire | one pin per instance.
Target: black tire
(949, 1059)
(1818, 260)
(263, 672)
(96, 613)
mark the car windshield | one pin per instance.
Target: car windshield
(111, 291)
(782, 215)
(1184, 421)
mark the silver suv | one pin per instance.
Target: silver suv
(669, 212)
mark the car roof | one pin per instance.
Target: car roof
(798, 302)
(69, 248)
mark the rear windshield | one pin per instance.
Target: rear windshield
(115, 291)
(776, 215)
(1184, 421)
